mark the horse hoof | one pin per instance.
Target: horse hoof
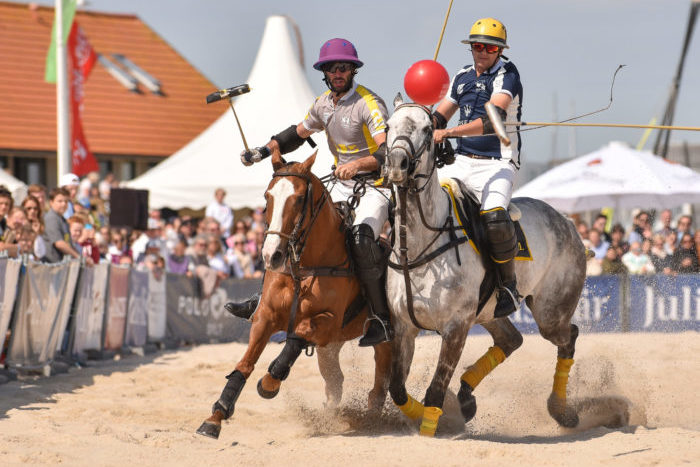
(563, 415)
(264, 393)
(467, 402)
(209, 429)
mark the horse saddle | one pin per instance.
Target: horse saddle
(466, 208)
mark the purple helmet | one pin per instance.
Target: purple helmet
(337, 50)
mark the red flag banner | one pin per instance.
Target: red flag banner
(82, 58)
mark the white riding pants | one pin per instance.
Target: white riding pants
(373, 209)
(491, 179)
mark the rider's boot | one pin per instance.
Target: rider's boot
(508, 297)
(370, 267)
(503, 246)
(244, 309)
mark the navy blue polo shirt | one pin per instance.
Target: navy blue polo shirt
(470, 93)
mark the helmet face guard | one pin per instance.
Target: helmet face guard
(337, 50)
(488, 31)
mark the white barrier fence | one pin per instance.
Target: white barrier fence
(70, 310)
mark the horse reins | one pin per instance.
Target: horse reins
(296, 242)
(405, 265)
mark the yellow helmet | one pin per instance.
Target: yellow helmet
(488, 31)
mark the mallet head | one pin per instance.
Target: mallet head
(228, 93)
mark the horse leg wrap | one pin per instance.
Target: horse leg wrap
(229, 395)
(428, 426)
(561, 377)
(482, 367)
(279, 368)
(412, 408)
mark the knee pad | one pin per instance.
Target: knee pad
(500, 232)
(279, 368)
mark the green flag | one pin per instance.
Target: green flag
(68, 14)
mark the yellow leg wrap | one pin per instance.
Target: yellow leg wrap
(430, 421)
(490, 360)
(561, 377)
(412, 408)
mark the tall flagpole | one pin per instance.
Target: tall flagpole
(63, 143)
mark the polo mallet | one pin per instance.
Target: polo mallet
(498, 126)
(228, 94)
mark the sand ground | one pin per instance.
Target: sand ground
(145, 410)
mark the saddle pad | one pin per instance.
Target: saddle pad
(460, 208)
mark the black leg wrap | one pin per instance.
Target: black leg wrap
(279, 368)
(229, 395)
(467, 401)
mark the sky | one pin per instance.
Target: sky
(566, 52)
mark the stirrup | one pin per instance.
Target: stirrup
(514, 299)
(386, 333)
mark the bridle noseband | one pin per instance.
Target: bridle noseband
(414, 155)
(296, 241)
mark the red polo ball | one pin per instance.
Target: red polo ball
(426, 82)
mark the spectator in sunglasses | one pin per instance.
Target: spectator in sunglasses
(482, 162)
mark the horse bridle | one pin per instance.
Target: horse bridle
(296, 242)
(414, 155)
(412, 188)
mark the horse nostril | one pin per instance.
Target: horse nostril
(276, 257)
(404, 164)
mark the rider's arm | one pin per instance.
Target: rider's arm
(475, 127)
(364, 164)
(302, 132)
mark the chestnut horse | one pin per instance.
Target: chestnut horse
(307, 289)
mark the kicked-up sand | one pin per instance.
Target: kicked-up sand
(145, 410)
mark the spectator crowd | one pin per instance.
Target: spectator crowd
(72, 221)
(650, 246)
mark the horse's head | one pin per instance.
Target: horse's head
(410, 142)
(289, 198)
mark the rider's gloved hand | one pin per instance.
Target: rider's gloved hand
(253, 155)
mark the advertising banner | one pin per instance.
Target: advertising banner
(665, 303)
(35, 332)
(90, 308)
(137, 312)
(156, 306)
(194, 319)
(115, 315)
(59, 337)
(598, 310)
(9, 277)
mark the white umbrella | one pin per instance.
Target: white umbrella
(615, 176)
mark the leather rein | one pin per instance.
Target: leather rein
(412, 188)
(296, 243)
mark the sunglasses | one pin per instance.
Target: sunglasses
(338, 66)
(479, 47)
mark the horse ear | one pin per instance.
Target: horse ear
(398, 100)
(308, 163)
(277, 161)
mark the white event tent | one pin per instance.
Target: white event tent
(280, 95)
(615, 176)
(16, 186)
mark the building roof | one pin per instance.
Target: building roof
(115, 120)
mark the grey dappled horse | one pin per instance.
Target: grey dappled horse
(444, 294)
